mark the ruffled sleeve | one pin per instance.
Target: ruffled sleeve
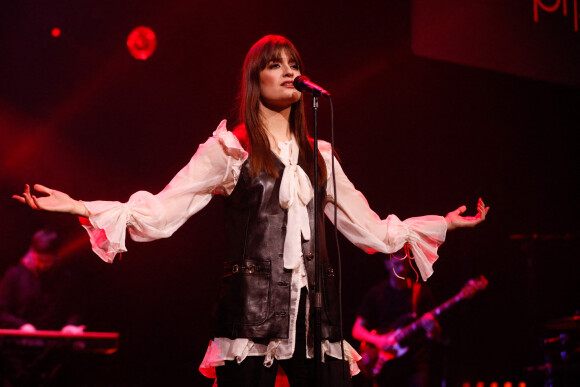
(214, 168)
(364, 228)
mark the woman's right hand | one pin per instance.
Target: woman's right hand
(54, 201)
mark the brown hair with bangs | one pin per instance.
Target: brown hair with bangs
(252, 133)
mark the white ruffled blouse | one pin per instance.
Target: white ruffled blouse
(214, 169)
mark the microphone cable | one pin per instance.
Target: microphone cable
(338, 255)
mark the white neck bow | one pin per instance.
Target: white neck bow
(295, 194)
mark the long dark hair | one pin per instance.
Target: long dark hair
(251, 132)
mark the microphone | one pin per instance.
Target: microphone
(302, 83)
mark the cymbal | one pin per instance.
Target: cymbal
(564, 323)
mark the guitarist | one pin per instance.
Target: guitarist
(391, 304)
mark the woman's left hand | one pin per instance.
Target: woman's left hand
(455, 220)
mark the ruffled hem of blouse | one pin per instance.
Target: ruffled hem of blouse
(350, 354)
(222, 349)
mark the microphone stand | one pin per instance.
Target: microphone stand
(317, 299)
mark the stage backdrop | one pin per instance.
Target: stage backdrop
(532, 38)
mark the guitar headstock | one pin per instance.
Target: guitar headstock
(473, 286)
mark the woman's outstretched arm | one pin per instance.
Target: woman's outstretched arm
(212, 170)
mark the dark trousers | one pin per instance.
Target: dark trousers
(301, 372)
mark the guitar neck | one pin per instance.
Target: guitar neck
(447, 304)
(409, 329)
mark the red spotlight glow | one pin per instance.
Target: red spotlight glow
(55, 32)
(141, 42)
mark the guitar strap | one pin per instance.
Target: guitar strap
(415, 298)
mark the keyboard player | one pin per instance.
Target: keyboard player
(36, 294)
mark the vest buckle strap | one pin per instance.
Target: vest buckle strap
(248, 268)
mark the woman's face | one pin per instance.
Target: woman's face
(276, 88)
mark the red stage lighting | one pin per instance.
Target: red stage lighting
(141, 42)
(55, 32)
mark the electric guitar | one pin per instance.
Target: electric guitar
(373, 358)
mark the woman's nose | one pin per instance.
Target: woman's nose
(289, 71)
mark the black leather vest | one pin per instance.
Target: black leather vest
(255, 295)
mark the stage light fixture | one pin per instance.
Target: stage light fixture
(141, 42)
(55, 32)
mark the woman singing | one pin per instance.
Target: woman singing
(265, 170)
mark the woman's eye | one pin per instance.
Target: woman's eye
(273, 65)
